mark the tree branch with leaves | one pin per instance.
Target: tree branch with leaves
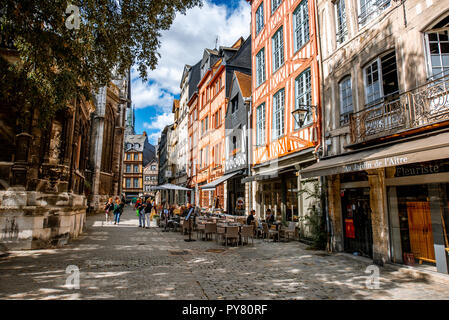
(57, 63)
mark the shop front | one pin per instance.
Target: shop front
(213, 193)
(391, 203)
(419, 212)
(235, 191)
(280, 188)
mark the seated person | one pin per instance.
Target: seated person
(269, 217)
(250, 218)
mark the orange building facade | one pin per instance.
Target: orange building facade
(285, 103)
(207, 111)
(212, 102)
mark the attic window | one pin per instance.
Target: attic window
(235, 104)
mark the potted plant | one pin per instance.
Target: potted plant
(158, 219)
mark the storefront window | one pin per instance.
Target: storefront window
(272, 198)
(357, 221)
(423, 220)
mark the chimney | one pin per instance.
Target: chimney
(144, 133)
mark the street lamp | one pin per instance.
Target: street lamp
(301, 112)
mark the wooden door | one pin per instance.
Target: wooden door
(420, 231)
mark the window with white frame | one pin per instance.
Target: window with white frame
(274, 5)
(260, 124)
(342, 29)
(278, 114)
(277, 43)
(259, 18)
(303, 96)
(346, 107)
(381, 79)
(301, 32)
(260, 67)
(373, 91)
(369, 9)
(438, 48)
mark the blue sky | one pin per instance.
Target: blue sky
(184, 44)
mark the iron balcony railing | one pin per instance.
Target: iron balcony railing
(370, 9)
(425, 105)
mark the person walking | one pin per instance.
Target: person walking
(147, 213)
(139, 206)
(108, 208)
(117, 211)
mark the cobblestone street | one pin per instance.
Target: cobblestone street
(127, 262)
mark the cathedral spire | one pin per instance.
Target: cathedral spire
(130, 121)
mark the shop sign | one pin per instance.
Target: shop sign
(375, 164)
(422, 168)
(349, 228)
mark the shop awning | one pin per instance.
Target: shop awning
(169, 186)
(212, 185)
(425, 149)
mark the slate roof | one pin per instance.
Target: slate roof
(195, 74)
(133, 139)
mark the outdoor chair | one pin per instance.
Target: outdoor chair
(247, 232)
(200, 230)
(258, 231)
(210, 230)
(268, 233)
(184, 226)
(232, 233)
(220, 233)
(290, 230)
(197, 221)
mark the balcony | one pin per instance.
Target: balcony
(419, 108)
(371, 9)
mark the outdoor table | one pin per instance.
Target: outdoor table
(232, 224)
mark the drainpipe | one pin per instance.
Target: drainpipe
(320, 116)
(247, 101)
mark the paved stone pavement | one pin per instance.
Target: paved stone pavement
(127, 262)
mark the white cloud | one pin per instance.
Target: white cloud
(144, 95)
(158, 123)
(183, 44)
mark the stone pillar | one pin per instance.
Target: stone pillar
(335, 214)
(395, 230)
(256, 204)
(248, 205)
(225, 196)
(96, 153)
(379, 216)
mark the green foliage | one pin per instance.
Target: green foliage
(57, 64)
(315, 219)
